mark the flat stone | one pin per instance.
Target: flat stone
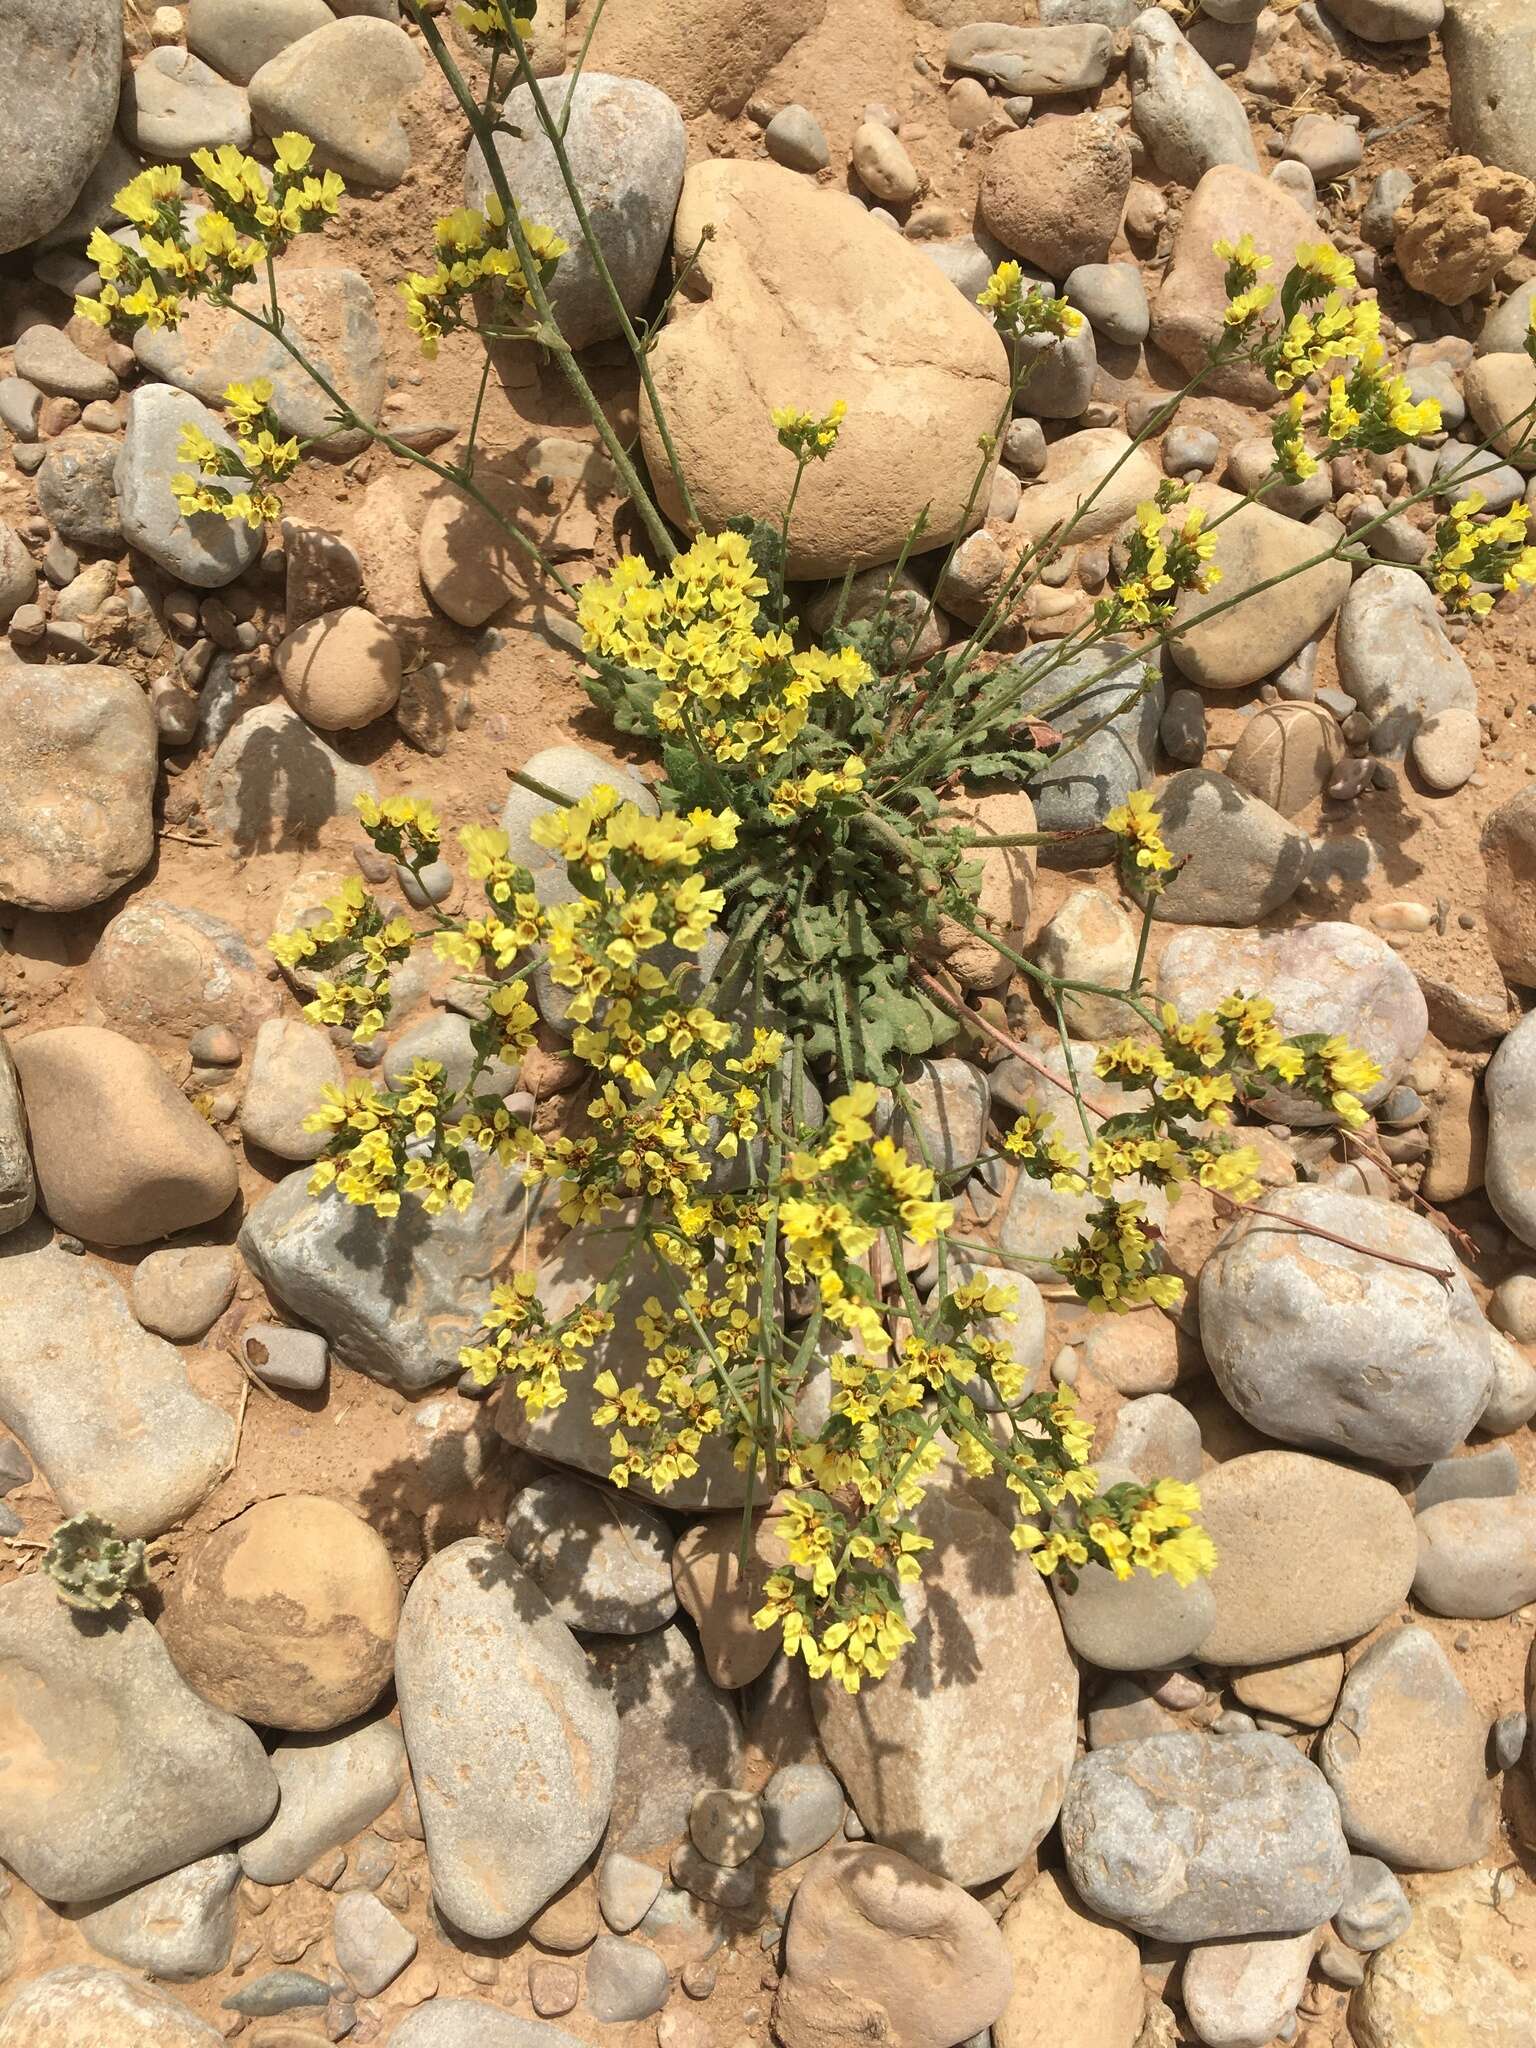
(1244, 641)
(1194, 1837)
(372, 1946)
(472, 2023)
(106, 1410)
(175, 103)
(679, 1736)
(292, 1063)
(238, 36)
(178, 1927)
(341, 85)
(50, 360)
(181, 1294)
(275, 782)
(134, 1775)
(78, 2004)
(1241, 860)
(1484, 1475)
(1395, 660)
(1134, 1624)
(77, 782)
(512, 1738)
(278, 1991)
(1477, 1558)
(1093, 480)
(331, 1786)
(1388, 21)
(602, 1562)
(206, 550)
(55, 120)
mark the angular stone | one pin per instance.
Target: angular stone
(1094, 480)
(178, 1927)
(602, 1562)
(721, 1597)
(18, 1185)
(80, 2005)
(1054, 192)
(372, 1946)
(1302, 1690)
(129, 1773)
(513, 1740)
(1374, 1911)
(1123, 699)
(77, 778)
(1194, 1837)
(106, 1410)
(332, 1786)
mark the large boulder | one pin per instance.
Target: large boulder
(512, 1739)
(626, 147)
(77, 777)
(1316, 1343)
(121, 1772)
(81, 2006)
(804, 299)
(709, 55)
(959, 1756)
(106, 1410)
(55, 118)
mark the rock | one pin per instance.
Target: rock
(278, 1991)
(1076, 1980)
(1054, 192)
(50, 360)
(1240, 860)
(1509, 857)
(181, 1294)
(1043, 62)
(77, 489)
(286, 1615)
(1070, 494)
(1194, 1837)
(627, 146)
(511, 1737)
(1507, 1739)
(341, 670)
(1327, 147)
(882, 166)
(707, 55)
(164, 1778)
(1443, 1984)
(18, 1185)
(879, 1948)
(949, 1098)
(18, 574)
(1263, 1512)
(1459, 229)
(1090, 938)
(625, 1979)
(238, 36)
(341, 85)
(394, 1301)
(280, 1357)
(1114, 298)
(1123, 705)
(988, 1676)
(1240, 1994)
(725, 1827)
(77, 779)
(174, 103)
(332, 1787)
(1446, 748)
(1499, 393)
(80, 2005)
(329, 314)
(1482, 1475)
(153, 1165)
(1187, 317)
(448, 1040)
(55, 120)
(1061, 378)
(627, 1889)
(291, 1063)
(679, 1736)
(1187, 118)
(918, 628)
(1266, 628)
(1406, 1753)
(1302, 1690)
(794, 274)
(1513, 1399)
(802, 1811)
(1395, 660)
(1134, 1624)
(206, 550)
(274, 782)
(177, 1927)
(1154, 1438)
(161, 969)
(107, 1410)
(1374, 1911)
(1124, 1711)
(796, 139)
(1477, 1559)
(472, 2023)
(1488, 48)
(1287, 755)
(1388, 21)
(372, 1946)
(721, 1598)
(602, 1562)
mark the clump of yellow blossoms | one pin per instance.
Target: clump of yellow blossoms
(1017, 312)
(806, 437)
(1161, 560)
(477, 253)
(1473, 558)
(1137, 824)
(731, 680)
(258, 461)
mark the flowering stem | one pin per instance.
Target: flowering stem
(1009, 1044)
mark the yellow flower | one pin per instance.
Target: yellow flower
(806, 437)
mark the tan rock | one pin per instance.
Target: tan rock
(883, 166)
(1458, 1140)
(1091, 939)
(287, 1615)
(1237, 646)
(1006, 891)
(470, 567)
(1187, 313)
(1500, 392)
(1302, 1690)
(121, 1156)
(1241, 1993)
(878, 1949)
(162, 968)
(1076, 1979)
(1509, 862)
(708, 55)
(805, 299)
(341, 670)
(711, 1584)
(1446, 1982)
(1287, 755)
(1054, 192)
(1076, 466)
(1462, 223)
(82, 2006)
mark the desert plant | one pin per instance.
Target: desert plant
(91, 1566)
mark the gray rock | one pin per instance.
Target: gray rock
(947, 1121)
(276, 1991)
(1477, 1558)
(331, 1787)
(1124, 1710)
(1446, 749)
(19, 404)
(161, 968)
(292, 1063)
(395, 1300)
(1182, 731)
(1509, 322)
(1186, 448)
(1329, 147)
(372, 1946)
(1108, 13)
(1045, 62)
(1240, 1994)
(50, 360)
(178, 1927)
(802, 1810)
(174, 103)
(1061, 374)
(627, 148)
(1378, 216)
(1193, 1837)
(1509, 1084)
(15, 1467)
(512, 1738)
(274, 782)
(206, 550)
(1394, 658)
(1507, 1739)
(77, 489)
(1181, 110)
(238, 36)
(1241, 859)
(18, 1184)
(679, 1735)
(1387, 21)
(1512, 1401)
(106, 1409)
(283, 1357)
(18, 574)
(1460, 468)
(1135, 1624)
(1489, 46)
(602, 1562)
(1374, 1911)
(627, 1888)
(341, 85)
(181, 1294)
(1024, 443)
(55, 119)
(1286, 1318)
(1089, 782)
(82, 2003)
(1488, 1475)
(795, 138)
(135, 1775)
(1406, 1754)
(1155, 1437)
(1114, 298)
(472, 2023)
(625, 1979)
(447, 1038)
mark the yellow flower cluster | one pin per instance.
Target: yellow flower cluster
(1474, 558)
(476, 252)
(496, 21)
(1016, 311)
(1137, 824)
(387, 1143)
(258, 461)
(732, 682)
(819, 786)
(1161, 561)
(806, 437)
